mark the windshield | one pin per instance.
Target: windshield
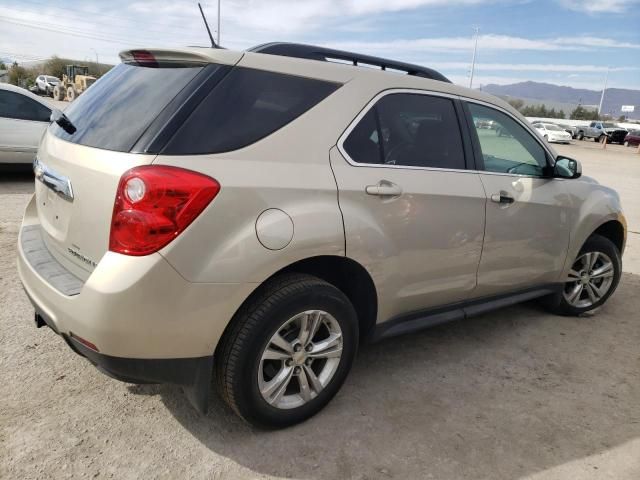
(119, 107)
(552, 127)
(51, 79)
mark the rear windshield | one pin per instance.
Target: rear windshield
(114, 112)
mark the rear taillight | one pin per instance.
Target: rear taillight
(154, 204)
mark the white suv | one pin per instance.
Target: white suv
(262, 213)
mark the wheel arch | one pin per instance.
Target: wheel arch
(614, 231)
(347, 275)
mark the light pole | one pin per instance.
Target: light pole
(473, 60)
(97, 61)
(218, 34)
(606, 79)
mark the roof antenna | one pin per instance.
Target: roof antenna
(213, 43)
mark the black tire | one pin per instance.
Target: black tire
(626, 144)
(580, 136)
(557, 303)
(238, 355)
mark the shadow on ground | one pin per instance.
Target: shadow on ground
(16, 179)
(504, 395)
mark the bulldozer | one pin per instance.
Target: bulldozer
(75, 81)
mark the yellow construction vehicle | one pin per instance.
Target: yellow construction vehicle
(75, 81)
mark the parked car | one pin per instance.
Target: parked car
(484, 123)
(262, 213)
(23, 119)
(570, 129)
(552, 133)
(598, 131)
(632, 138)
(46, 83)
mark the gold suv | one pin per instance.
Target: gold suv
(247, 218)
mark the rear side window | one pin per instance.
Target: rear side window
(20, 107)
(114, 112)
(411, 130)
(244, 107)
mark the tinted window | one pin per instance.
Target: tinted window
(244, 107)
(117, 109)
(362, 144)
(412, 130)
(507, 147)
(21, 107)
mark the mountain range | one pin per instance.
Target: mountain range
(614, 98)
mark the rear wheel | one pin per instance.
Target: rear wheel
(592, 279)
(580, 136)
(288, 351)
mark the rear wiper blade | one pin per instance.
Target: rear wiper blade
(62, 120)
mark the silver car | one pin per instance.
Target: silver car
(264, 212)
(24, 117)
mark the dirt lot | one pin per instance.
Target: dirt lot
(513, 394)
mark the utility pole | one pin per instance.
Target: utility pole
(473, 60)
(606, 79)
(97, 61)
(218, 42)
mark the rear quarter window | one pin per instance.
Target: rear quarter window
(246, 106)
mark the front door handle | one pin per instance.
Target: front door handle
(502, 197)
(384, 189)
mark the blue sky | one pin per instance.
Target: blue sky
(555, 41)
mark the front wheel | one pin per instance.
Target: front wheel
(592, 279)
(287, 352)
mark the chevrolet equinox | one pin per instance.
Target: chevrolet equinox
(248, 218)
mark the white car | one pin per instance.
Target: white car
(24, 117)
(553, 133)
(46, 83)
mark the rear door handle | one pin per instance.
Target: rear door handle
(502, 197)
(384, 189)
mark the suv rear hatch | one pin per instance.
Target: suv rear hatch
(80, 163)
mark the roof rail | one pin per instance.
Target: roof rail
(312, 52)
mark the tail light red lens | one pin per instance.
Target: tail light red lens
(154, 204)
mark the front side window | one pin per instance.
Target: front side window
(20, 107)
(408, 129)
(507, 147)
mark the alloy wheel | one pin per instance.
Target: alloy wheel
(589, 280)
(300, 359)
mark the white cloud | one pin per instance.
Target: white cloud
(528, 67)
(485, 42)
(600, 6)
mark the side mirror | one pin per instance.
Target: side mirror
(567, 168)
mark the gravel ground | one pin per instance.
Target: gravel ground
(514, 394)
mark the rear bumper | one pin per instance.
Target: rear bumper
(193, 374)
(133, 307)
